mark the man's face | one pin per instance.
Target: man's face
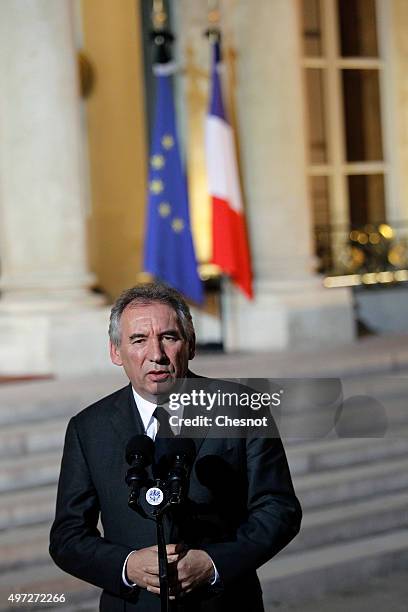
(152, 350)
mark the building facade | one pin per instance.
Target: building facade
(317, 93)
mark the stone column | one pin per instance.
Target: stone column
(42, 225)
(291, 307)
(44, 271)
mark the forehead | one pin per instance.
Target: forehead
(155, 314)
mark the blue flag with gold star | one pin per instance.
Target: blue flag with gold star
(169, 249)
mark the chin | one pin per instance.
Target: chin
(164, 388)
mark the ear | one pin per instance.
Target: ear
(115, 354)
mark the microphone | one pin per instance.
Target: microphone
(139, 454)
(181, 455)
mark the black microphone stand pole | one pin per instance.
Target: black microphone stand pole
(157, 515)
(163, 565)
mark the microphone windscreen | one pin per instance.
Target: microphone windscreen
(140, 445)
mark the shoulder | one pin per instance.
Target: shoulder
(102, 409)
(193, 375)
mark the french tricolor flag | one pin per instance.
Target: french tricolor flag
(230, 242)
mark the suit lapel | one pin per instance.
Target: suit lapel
(125, 419)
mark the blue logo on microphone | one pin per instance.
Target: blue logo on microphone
(154, 496)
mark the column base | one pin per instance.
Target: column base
(63, 343)
(49, 299)
(287, 315)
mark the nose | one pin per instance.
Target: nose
(156, 352)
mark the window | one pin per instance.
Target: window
(343, 72)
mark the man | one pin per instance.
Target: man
(241, 505)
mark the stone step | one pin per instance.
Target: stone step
(27, 507)
(40, 437)
(27, 438)
(38, 409)
(352, 483)
(335, 453)
(323, 390)
(287, 578)
(26, 472)
(46, 578)
(345, 522)
(376, 385)
(374, 354)
(312, 574)
(24, 546)
(42, 468)
(41, 401)
(314, 394)
(320, 423)
(27, 545)
(22, 505)
(340, 522)
(290, 578)
(91, 606)
(315, 468)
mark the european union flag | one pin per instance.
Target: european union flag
(169, 250)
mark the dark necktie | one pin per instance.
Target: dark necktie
(164, 429)
(162, 442)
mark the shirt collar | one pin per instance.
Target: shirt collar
(145, 408)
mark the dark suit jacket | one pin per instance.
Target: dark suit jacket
(241, 509)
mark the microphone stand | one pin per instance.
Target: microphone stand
(163, 565)
(157, 515)
(163, 495)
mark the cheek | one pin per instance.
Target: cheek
(135, 358)
(181, 358)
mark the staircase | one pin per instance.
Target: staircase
(33, 419)
(354, 493)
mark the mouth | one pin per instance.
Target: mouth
(158, 375)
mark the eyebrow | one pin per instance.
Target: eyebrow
(134, 336)
(167, 332)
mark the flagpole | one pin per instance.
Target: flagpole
(230, 240)
(213, 34)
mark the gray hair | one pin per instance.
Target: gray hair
(148, 293)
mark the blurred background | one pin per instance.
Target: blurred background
(315, 94)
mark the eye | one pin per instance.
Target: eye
(170, 338)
